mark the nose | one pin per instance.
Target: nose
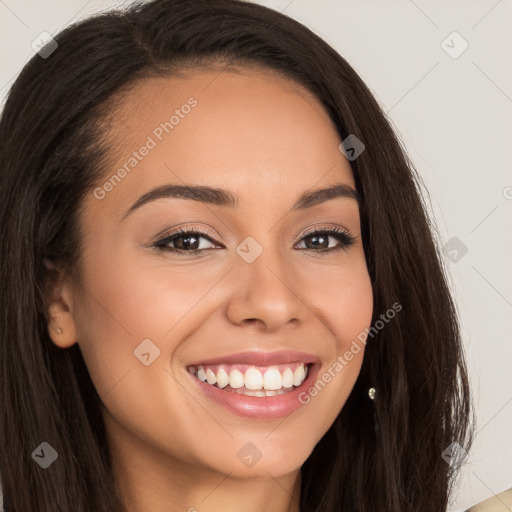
(264, 294)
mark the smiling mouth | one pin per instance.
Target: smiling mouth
(252, 380)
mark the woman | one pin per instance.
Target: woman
(220, 288)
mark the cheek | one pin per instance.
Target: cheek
(123, 305)
(115, 312)
(135, 301)
(343, 302)
(341, 298)
(126, 300)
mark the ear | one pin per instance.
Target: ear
(59, 302)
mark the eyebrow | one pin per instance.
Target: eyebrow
(222, 197)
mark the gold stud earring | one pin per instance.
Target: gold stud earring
(371, 393)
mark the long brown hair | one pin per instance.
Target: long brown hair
(382, 455)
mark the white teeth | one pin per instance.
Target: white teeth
(222, 378)
(272, 383)
(260, 393)
(272, 379)
(254, 393)
(299, 376)
(253, 379)
(236, 379)
(210, 377)
(287, 379)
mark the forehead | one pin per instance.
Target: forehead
(249, 130)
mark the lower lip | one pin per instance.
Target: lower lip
(269, 407)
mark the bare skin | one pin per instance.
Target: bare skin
(268, 141)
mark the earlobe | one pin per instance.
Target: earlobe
(61, 324)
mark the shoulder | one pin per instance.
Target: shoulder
(497, 503)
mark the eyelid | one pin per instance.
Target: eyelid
(326, 228)
(186, 229)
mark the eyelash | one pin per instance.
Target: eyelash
(341, 234)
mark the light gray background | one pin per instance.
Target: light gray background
(454, 118)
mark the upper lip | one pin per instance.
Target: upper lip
(258, 358)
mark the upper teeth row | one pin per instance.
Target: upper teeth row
(273, 379)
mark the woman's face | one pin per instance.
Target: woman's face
(148, 312)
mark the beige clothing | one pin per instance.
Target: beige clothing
(500, 503)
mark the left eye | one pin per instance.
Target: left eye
(319, 238)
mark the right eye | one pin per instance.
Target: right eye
(185, 242)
